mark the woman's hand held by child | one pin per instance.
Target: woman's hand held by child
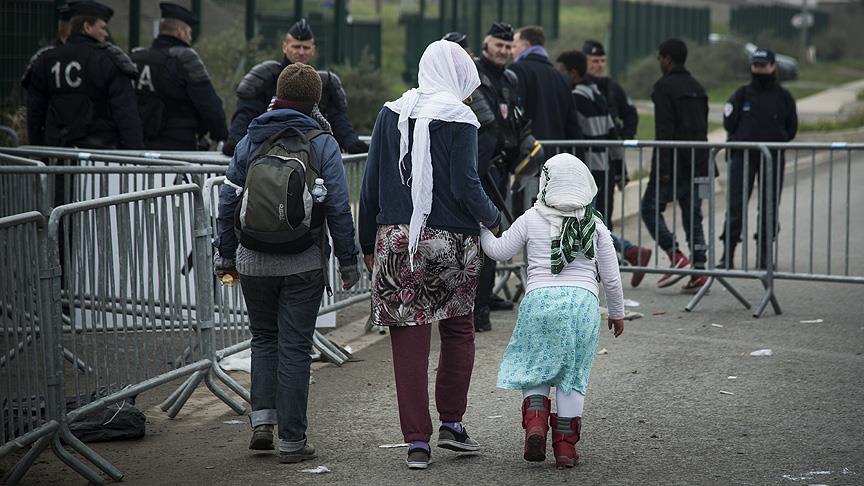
(616, 326)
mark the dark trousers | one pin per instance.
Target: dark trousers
(741, 182)
(411, 367)
(282, 314)
(604, 201)
(486, 279)
(654, 203)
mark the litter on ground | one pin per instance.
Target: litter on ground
(731, 377)
(234, 422)
(630, 303)
(724, 392)
(603, 351)
(812, 321)
(392, 446)
(716, 325)
(494, 416)
(317, 470)
(762, 352)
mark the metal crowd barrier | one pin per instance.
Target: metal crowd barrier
(813, 220)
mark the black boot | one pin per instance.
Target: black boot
(481, 320)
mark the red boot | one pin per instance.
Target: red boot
(535, 423)
(564, 444)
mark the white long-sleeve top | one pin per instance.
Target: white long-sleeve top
(532, 229)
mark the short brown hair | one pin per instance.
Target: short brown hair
(533, 34)
(299, 82)
(76, 23)
(170, 25)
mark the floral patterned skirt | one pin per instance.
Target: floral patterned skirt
(441, 285)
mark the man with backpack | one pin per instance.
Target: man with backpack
(284, 182)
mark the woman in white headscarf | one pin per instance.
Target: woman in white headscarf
(555, 340)
(421, 208)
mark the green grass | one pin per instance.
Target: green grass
(854, 120)
(645, 131)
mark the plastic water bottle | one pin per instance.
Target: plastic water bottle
(319, 191)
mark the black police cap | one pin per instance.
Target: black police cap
(458, 38)
(593, 48)
(174, 11)
(92, 9)
(762, 56)
(64, 13)
(501, 31)
(301, 31)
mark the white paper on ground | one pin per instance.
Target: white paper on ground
(603, 351)
(392, 446)
(241, 361)
(234, 422)
(812, 321)
(762, 352)
(317, 470)
(726, 392)
(630, 303)
(716, 325)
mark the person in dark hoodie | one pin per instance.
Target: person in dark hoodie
(761, 111)
(283, 290)
(421, 207)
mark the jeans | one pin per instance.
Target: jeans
(652, 207)
(411, 367)
(282, 314)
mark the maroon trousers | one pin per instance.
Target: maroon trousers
(411, 366)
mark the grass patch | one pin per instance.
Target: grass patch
(645, 130)
(854, 120)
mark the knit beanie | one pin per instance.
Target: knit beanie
(299, 82)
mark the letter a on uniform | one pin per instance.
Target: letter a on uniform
(146, 79)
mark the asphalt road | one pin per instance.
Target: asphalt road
(654, 414)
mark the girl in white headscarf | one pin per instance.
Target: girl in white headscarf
(555, 340)
(421, 206)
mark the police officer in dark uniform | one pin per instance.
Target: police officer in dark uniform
(176, 99)
(259, 86)
(620, 105)
(761, 111)
(495, 103)
(64, 15)
(80, 94)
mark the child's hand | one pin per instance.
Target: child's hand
(618, 325)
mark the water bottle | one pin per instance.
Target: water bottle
(319, 191)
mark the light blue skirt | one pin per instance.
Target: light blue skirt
(554, 342)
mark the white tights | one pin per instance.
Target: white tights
(568, 405)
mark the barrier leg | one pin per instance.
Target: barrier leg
(185, 393)
(165, 405)
(90, 454)
(698, 297)
(220, 394)
(767, 298)
(734, 292)
(27, 461)
(232, 384)
(74, 463)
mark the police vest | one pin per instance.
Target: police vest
(163, 104)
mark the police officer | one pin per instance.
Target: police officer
(64, 14)
(259, 86)
(620, 105)
(176, 99)
(761, 111)
(80, 94)
(495, 103)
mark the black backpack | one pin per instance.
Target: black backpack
(276, 213)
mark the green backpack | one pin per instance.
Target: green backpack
(276, 213)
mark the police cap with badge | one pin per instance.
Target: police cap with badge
(762, 57)
(593, 48)
(301, 31)
(502, 31)
(173, 11)
(457, 38)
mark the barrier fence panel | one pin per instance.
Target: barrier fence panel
(23, 375)
(804, 235)
(20, 193)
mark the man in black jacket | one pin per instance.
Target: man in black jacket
(259, 86)
(761, 111)
(545, 97)
(80, 94)
(620, 105)
(680, 113)
(176, 99)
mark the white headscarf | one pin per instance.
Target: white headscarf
(447, 75)
(566, 189)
